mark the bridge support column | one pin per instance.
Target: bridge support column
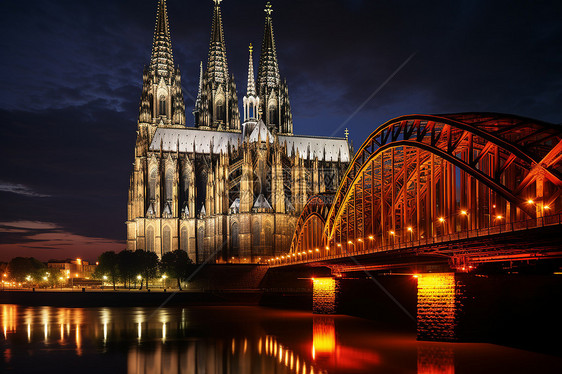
(325, 295)
(440, 302)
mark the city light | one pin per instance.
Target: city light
(371, 237)
(139, 277)
(530, 201)
(105, 277)
(164, 276)
(499, 217)
(441, 219)
(464, 212)
(327, 248)
(410, 229)
(392, 233)
(546, 207)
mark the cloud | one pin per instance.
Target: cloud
(47, 240)
(19, 189)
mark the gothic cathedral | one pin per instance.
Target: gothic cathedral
(224, 190)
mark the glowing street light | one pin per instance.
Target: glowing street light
(139, 277)
(464, 213)
(530, 202)
(441, 219)
(371, 237)
(499, 217)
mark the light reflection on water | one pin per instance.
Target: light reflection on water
(229, 339)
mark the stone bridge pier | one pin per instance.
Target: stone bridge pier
(448, 306)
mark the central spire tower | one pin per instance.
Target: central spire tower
(217, 104)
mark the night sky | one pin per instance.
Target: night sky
(71, 74)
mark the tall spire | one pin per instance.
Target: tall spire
(268, 74)
(162, 60)
(217, 65)
(251, 91)
(198, 101)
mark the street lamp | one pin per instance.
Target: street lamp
(411, 230)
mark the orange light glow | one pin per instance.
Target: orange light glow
(499, 217)
(464, 212)
(371, 237)
(546, 207)
(79, 261)
(323, 336)
(410, 229)
(392, 232)
(530, 201)
(441, 219)
(324, 295)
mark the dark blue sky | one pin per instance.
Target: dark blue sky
(71, 77)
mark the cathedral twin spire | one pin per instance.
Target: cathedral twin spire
(216, 106)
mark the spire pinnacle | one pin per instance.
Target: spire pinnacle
(162, 59)
(251, 91)
(198, 101)
(268, 74)
(268, 9)
(217, 65)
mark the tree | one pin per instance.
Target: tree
(176, 264)
(22, 267)
(147, 264)
(126, 266)
(108, 266)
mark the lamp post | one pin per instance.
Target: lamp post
(411, 230)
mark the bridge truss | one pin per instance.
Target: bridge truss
(421, 178)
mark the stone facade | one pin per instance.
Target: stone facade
(222, 191)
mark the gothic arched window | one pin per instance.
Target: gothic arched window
(256, 234)
(183, 239)
(169, 184)
(162, 106)
(166, 240)
(234, 240)
(150, 239)
(152, 183)
(272, 112)
(221, 110)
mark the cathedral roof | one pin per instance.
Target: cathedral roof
(260, 133)
(192, 140)
(308, 147)
(262, 203)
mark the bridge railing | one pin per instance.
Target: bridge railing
(315, 254)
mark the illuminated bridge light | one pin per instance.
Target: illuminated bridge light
(324, 295)
(438, 304)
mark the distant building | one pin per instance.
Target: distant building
(225, 189)
(74, 268)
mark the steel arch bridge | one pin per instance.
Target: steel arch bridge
(424, 177)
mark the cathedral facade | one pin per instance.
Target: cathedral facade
(226, 189)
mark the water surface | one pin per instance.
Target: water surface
(233, 340)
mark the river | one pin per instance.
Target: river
(234, 340)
